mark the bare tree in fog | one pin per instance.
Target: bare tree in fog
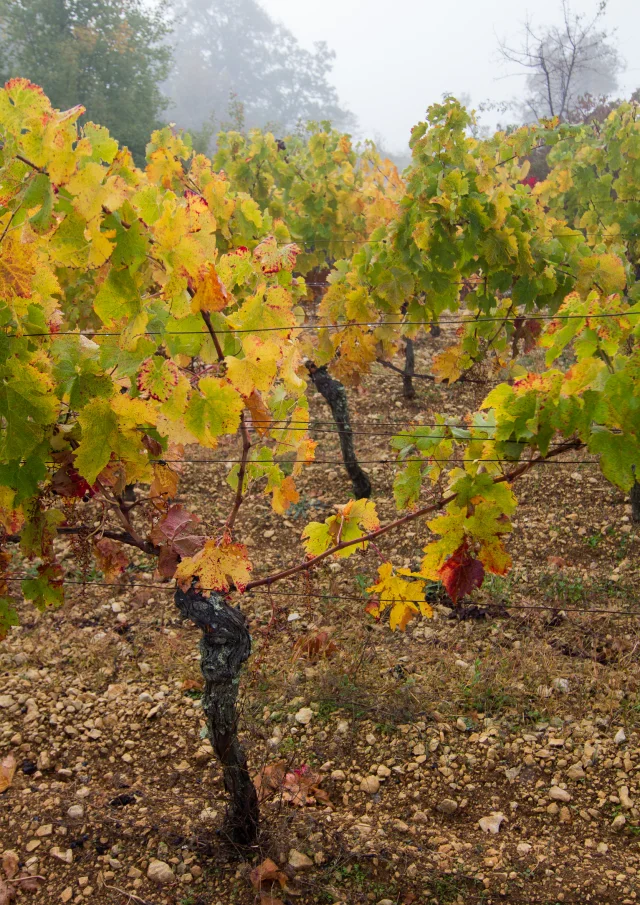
(566, 63)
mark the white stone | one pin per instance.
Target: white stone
(299, 861)
(625, 799)
(370, 784)
(76, 812)
(66, 856)
(304, 716)
(492, 823)
(524, 848)
(208, 814)
(558, 794)
(293, 617)
(620, 736)
(576, 771)
(159, 872)
(447, 806)
(6, 700)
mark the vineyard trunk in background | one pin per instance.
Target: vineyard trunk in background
(408, 389)
(335, 396)
(224, 647)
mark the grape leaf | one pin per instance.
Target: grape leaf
(211, 294)
(219, 566)
(461, 573)
(273, 259)
(214, 411)
(158, 377)
(8, 616)
(110, 558)
(406, 598)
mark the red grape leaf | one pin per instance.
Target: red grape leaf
(461, 573)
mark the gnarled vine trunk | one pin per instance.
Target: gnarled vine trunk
(635, 502)
(224, 647)
(335, 396)
(408, 389)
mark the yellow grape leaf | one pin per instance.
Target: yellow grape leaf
(448, 365)
(356, 518)
(11, 517)
(17, 267)
(258, 368)
(211, 294)
(165, 482)
(273, 259)
(494, 557)
(604, 272)
(219, 566)
(406, 598)
(214, 411)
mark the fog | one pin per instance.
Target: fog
(394, 59)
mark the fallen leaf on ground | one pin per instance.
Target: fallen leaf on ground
(267, 873)
(10, 864)
(7, 770)
(298, 787)
(315, 647)
(6, 892)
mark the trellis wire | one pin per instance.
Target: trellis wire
(303, 327)
(328, 595)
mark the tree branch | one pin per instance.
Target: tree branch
(122, 537)
(412, 516)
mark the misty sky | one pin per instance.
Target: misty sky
(395, 58)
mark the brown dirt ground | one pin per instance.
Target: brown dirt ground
(489, 713)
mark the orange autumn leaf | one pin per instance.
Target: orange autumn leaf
(285, 495)
(211, 294)
(261, 417)
(7, 770)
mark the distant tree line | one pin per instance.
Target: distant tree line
(210, 64)
(135, 65)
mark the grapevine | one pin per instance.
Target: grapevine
(144, 311)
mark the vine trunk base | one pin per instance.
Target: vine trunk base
(224, 647)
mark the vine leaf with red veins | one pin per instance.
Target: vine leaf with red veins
(158, 378)
(273, 259)
(219, 566)
(461, 573)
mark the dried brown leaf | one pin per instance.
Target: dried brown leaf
(7, 771)
(267, 873)
(10, 863)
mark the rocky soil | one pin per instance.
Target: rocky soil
(494, 758)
